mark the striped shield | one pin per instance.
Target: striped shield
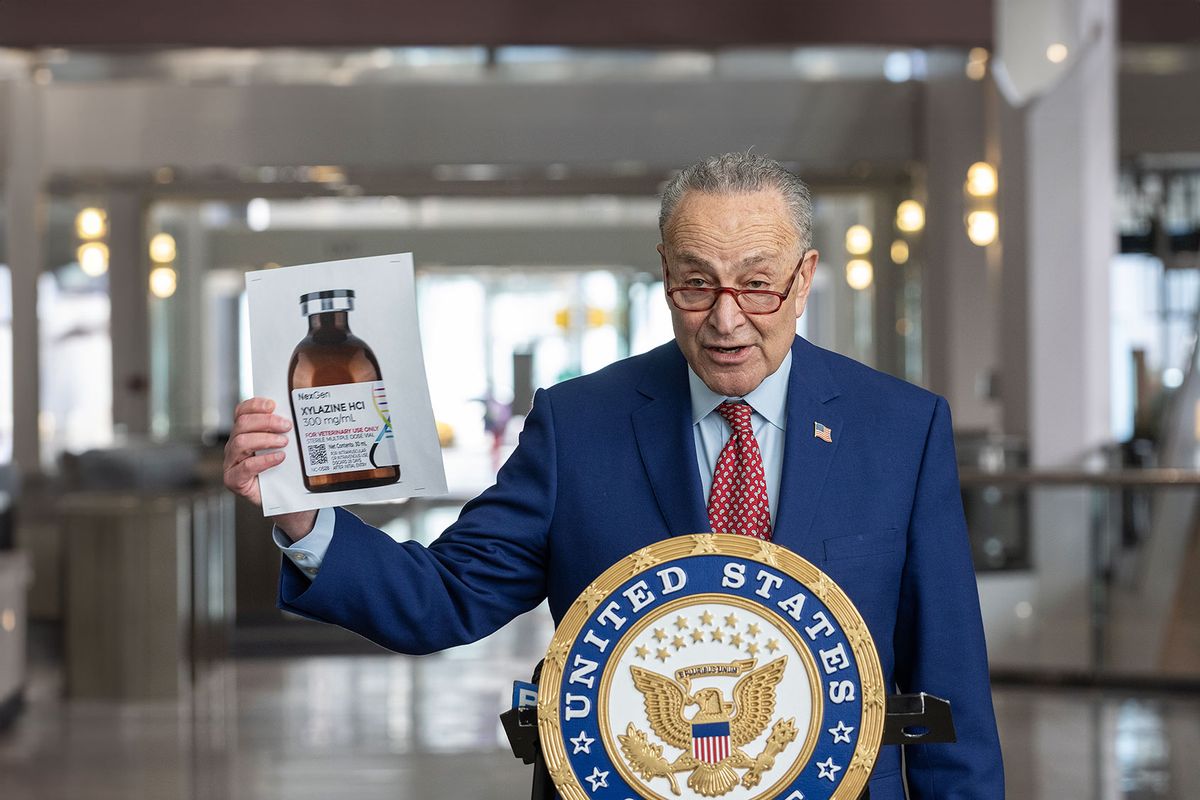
(710, 742)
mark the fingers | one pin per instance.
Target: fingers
(260, 423)
(244, 445)
(255, 428)
(240, 477)
(254, 405)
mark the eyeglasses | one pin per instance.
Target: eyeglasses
(750, 301)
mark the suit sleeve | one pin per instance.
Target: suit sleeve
(939, 642)
(488, 567)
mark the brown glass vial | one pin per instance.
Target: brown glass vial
(334, 376)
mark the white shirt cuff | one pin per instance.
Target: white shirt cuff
(308, 553)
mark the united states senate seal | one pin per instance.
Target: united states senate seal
(711, 666)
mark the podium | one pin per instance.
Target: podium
(910, 719)
(731, 624)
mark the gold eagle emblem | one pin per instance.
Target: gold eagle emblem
(747, 717)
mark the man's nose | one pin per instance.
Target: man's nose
(726, 315)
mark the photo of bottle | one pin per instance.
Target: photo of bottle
(339, 404)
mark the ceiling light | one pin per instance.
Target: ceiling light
(162, 248)
(163, 282)
(981, 179)
(858, 240)
(93, 258)
(327, 174)
(982, 227)
(910, 216)
(1057, 53)
(898, 67)
(91, 223)
(258, 214)
(859, 274)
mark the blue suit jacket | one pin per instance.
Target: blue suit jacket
(606, 464)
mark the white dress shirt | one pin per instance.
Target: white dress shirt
(769, 421)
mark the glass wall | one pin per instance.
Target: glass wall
(73, 323)
(1155, 291)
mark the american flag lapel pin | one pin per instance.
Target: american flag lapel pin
(825, 434)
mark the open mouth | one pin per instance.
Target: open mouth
(728, 356)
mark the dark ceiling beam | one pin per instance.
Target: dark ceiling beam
(584, 23)
(1160, 21)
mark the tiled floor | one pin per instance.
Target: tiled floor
(365, 727)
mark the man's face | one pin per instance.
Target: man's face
(740, 241)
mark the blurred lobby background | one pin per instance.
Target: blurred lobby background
(1008, 212)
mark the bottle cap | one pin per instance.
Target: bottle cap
(325, 301)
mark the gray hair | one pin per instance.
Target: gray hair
(739, 173)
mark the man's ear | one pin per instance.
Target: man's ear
(804, 279)
(662, 258)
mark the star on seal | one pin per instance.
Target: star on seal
(583, 743)
(828, 769)
(841, 733)
(597, 779)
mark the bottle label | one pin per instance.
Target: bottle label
(346, 427)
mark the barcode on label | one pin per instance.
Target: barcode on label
(317, 455)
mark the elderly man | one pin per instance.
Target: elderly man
(850, 468)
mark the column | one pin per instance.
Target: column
(24, 222)
(1053, 130)
(1071, 172)
(129, 317)
(959, 337)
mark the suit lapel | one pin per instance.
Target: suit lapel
(668, 449)
(806, 458)
(663, 428)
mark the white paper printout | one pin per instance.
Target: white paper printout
(354, 386)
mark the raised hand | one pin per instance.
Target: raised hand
(256, 428)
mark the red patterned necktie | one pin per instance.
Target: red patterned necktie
(738, 501)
